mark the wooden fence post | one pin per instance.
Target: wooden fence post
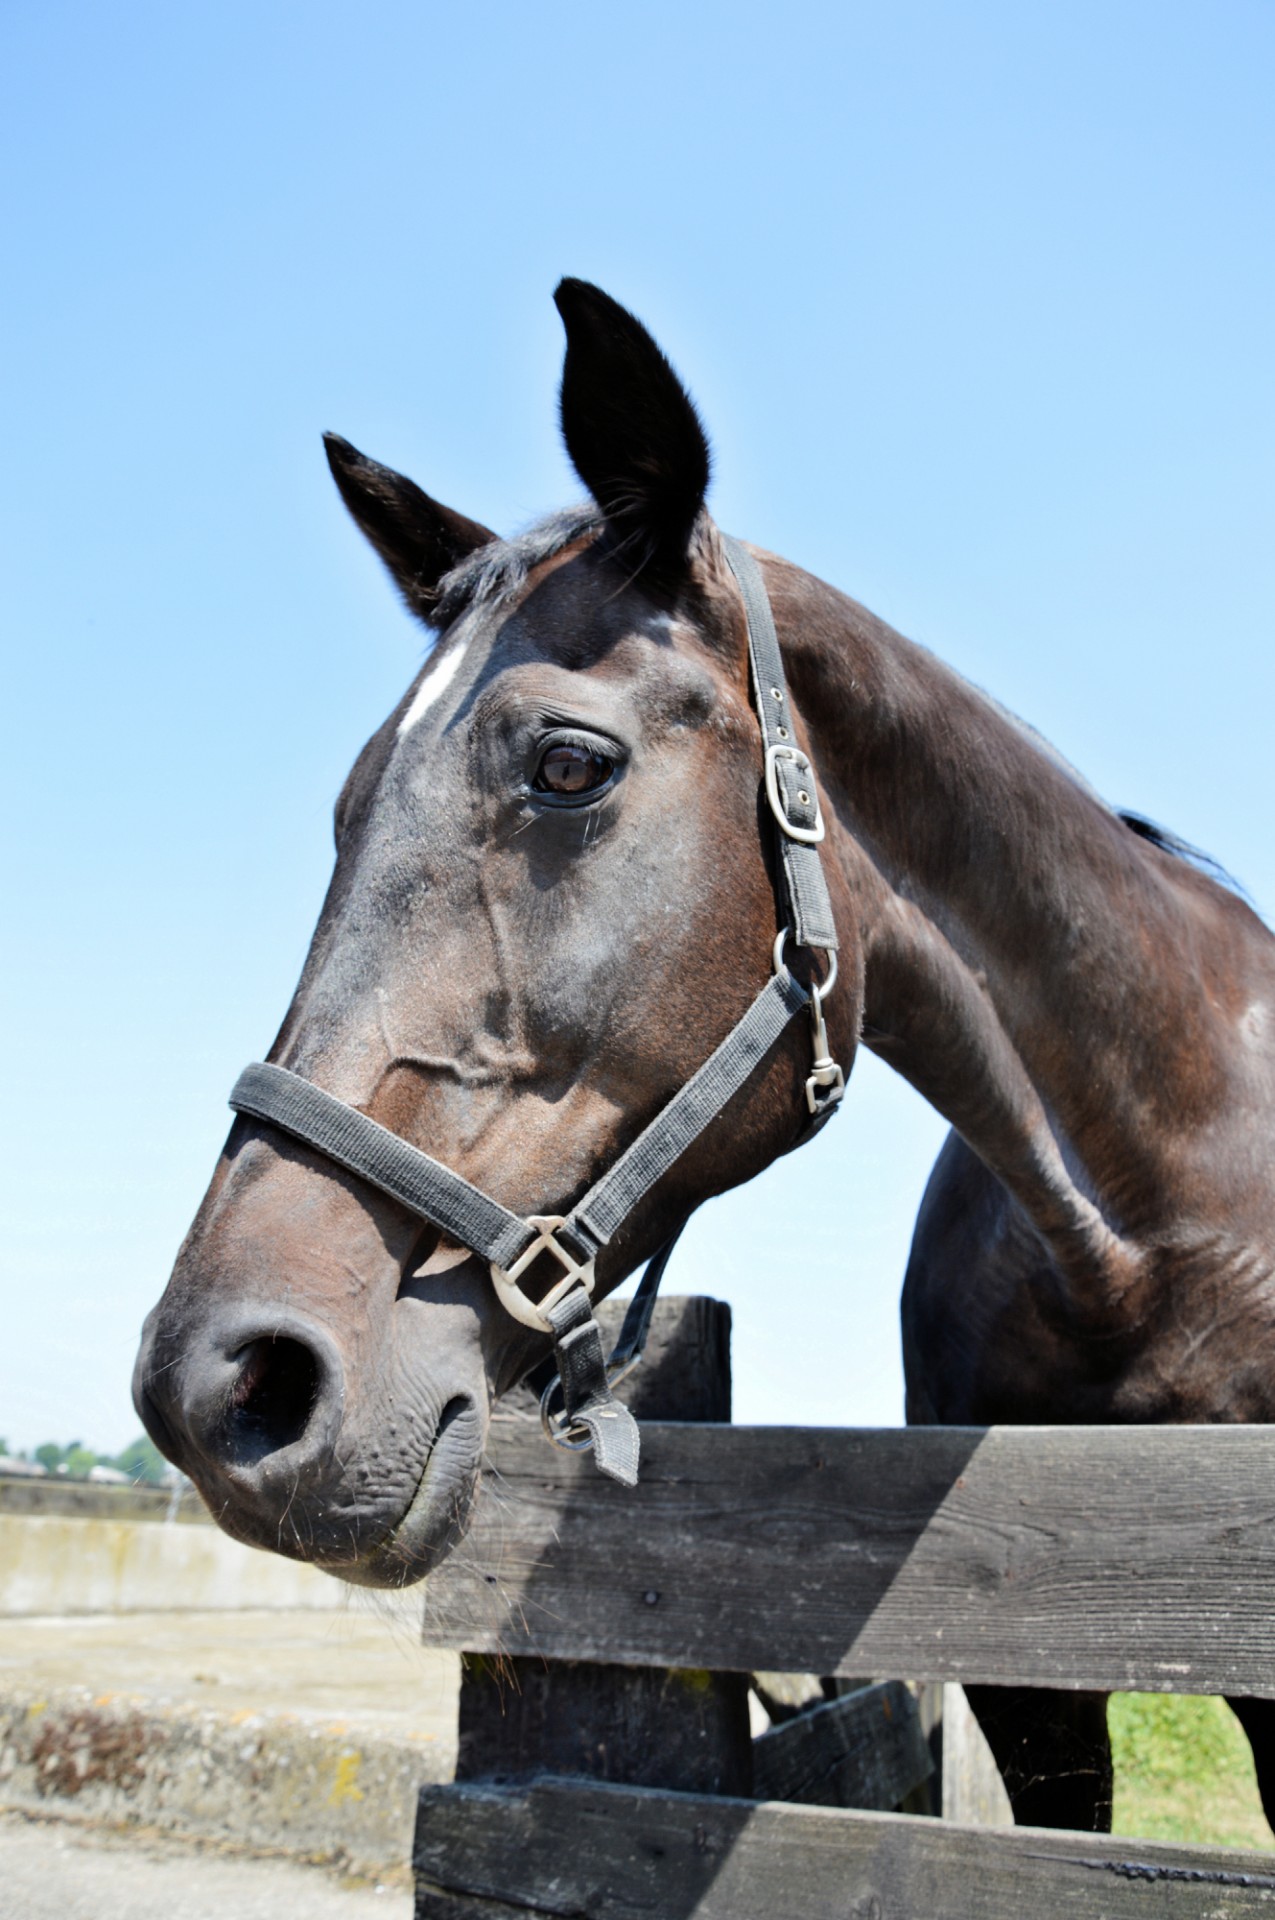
(971, 1791)
(680, 1729)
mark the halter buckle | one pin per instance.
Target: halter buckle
(576, 1273)
(808, 836)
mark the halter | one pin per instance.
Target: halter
(591, 1416)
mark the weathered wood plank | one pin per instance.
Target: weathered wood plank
(638, 1726)
(619, 1853)
(1136, 1558)
(866, 1749)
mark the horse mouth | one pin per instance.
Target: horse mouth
(437, 1513)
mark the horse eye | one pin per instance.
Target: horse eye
(570, 770)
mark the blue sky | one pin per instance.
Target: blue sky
(976, 301)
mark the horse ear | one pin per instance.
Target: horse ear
(418, 539)
(630, 427)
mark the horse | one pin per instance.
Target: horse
(554, 894)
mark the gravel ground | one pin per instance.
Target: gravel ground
(52, 1870)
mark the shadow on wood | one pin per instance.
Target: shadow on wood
(645, 1726)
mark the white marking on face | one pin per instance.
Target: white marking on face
(435, 682)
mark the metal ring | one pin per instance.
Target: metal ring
(556, 1426)
(820, 989)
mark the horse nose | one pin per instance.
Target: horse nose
(256, 1394)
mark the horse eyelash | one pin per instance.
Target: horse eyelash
(569, 736)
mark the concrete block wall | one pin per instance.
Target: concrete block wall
(55, 1564)
(69, 1547)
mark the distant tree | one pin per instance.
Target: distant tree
(50, 1456)
(143, 1461)
(4, 1448)
(78, 1460)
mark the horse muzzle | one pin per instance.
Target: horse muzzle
(255, 1407)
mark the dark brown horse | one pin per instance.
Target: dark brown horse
(551, 901)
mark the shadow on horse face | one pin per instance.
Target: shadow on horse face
(551, 901)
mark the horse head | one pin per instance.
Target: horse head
(554, 894)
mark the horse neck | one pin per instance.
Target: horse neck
(1004, 912)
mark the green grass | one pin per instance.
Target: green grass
(1184, 1772)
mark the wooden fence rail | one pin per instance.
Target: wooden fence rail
(1122, 1557)
(581, 1849)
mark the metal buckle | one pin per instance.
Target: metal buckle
(822, 988)
(809, 836)
(577, 1273)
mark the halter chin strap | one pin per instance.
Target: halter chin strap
(591, 1416)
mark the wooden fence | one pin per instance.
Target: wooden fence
(627, 1624)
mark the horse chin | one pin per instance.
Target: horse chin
(437, 1514)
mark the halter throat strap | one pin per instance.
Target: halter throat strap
(591, 1416)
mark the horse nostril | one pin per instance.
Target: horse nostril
(271, 1399)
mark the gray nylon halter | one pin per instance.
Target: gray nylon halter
(591, 1415)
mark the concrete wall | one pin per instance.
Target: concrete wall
(88, 1500)
(327, 1795)
(58, 1564)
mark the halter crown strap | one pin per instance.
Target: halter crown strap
(790, 779)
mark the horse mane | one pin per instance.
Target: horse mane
(495, 573)
(1180, 849)
(1155, 835)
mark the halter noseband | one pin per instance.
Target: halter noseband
(591, 1415)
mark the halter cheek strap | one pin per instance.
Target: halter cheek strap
(591, 1415)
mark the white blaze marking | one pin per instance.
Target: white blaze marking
(436, 681)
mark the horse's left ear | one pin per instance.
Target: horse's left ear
(419, 539)
(630, 427)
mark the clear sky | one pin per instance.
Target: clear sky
(977, 304)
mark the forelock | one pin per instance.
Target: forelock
(493, 574)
